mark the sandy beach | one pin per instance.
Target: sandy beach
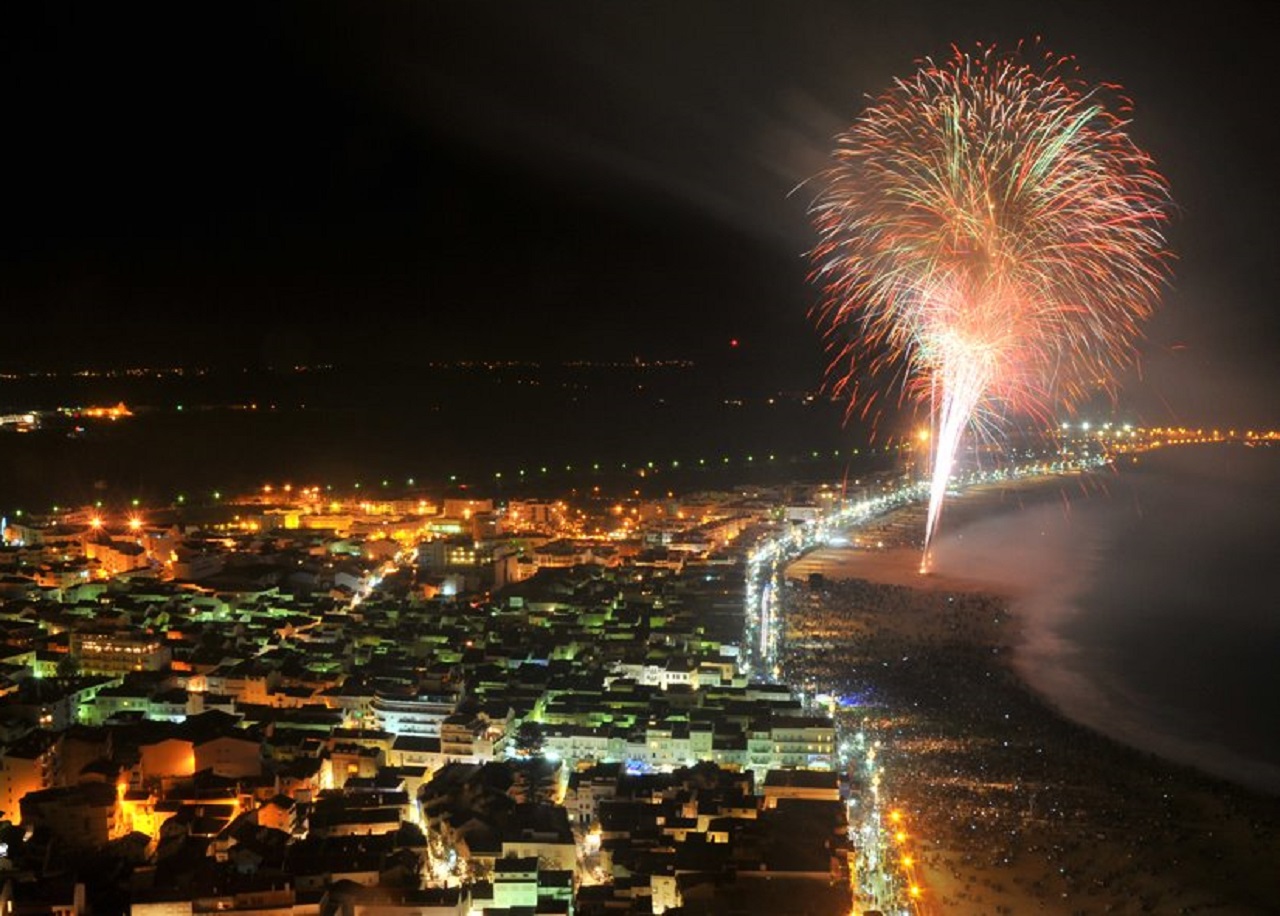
(1010, 806)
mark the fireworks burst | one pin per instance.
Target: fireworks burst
(989, 229)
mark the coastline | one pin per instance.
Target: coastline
(1018, 807)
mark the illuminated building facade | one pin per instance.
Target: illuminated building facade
(119, 653)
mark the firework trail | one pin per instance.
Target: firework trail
(990, 231)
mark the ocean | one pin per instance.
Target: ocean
(1149, 603)
(503, 429)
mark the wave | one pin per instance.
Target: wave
(1145, 612)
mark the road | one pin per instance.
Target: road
(883, 875)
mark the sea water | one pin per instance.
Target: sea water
(1149, 604)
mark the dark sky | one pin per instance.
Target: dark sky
(288, 183)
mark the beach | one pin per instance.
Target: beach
(1009, 805)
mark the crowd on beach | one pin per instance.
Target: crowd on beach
(1011, 805)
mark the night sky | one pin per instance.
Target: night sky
(316, 182)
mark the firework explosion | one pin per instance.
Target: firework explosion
(990, 231)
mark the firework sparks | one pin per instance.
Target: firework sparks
(989, 229)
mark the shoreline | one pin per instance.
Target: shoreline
(1020, 807)
(1040, 597)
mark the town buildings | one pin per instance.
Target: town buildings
(302, 705)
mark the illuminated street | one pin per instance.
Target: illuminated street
(885, 875)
